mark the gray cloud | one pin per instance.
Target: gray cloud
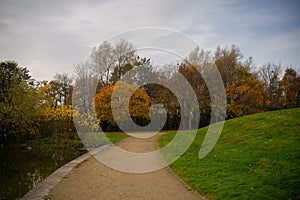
(50, 36)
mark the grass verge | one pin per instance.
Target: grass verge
(95, 139)
(116, 137)
(256, 157)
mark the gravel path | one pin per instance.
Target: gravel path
(93, 180)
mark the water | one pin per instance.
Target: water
(20, 171)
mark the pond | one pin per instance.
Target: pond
(22, 170)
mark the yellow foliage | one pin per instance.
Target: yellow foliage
(56, 121)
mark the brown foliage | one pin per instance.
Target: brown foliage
(245, 95)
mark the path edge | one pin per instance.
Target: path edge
(42, 189)
(178, 177)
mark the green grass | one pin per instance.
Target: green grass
(256, 157)
(97, 139)
(116, 137)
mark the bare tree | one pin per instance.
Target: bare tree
(270, 75)
(102, 61)
(85, 87)
(198, 57)
(227, 60)
(268, 71)
(64, 82)
(125, 55)
(111, 62)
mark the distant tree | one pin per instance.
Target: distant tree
(18, 103)
(50, 93)
(11, 75)
(139, 72)
(119, 72)
(245, 95)
(164, 96)
(103, 60)
(111, 62)
(270, 75)
(57, 123)
(64, 82)
(139, 105)
(85, 87)
(227, 60)
(125, 54)
(197, 82)
(193, 71)
(291, 88)
(198, 57)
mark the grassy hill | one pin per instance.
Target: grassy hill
(256, 157)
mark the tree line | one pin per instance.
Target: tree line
(31, 109)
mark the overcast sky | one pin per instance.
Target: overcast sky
(49, 37)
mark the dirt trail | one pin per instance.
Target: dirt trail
(93, 180)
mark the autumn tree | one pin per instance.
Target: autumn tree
(291, 88)
(153, 83)
(139, 104)
(55, 108)
(50, 92)
(194, 67)
(245, 95)
(57, 92)
(57, 123)
(194, 78)
(164, 96)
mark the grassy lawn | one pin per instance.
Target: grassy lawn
(256, 157)
(116, 137)
(97, 139)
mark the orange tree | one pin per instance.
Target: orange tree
(245, 95)
(139, 105)
(291, 88)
